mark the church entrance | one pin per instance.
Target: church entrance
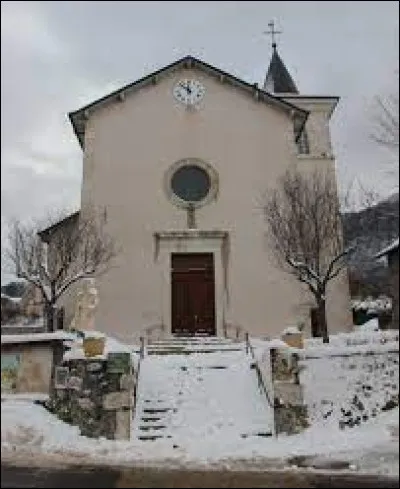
(192, 294)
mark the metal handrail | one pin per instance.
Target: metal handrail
(261, 384)
(135, 387)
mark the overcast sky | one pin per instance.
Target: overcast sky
(58, 56)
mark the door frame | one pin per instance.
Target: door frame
(211, 277)
(191, 241)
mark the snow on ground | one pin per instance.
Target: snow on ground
(371, 448)
(353, 378)
(214, 406)
(349, 389)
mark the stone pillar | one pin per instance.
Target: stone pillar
(290, 412)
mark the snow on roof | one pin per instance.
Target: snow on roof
(76, 353)
(13, 299)
(375, 304)
(393, 246)
(8, 278)
(34, 337)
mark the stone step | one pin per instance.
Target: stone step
(261, 434)
(193, 341)
(146, 419)
(188, 351)
(200, 346)
(152, 427)
(156, 410)
(151, 437)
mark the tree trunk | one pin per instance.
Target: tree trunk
(323, 326)
(48, 316)
(50, 310)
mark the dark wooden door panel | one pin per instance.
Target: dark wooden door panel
(193, 293)
(180, 303)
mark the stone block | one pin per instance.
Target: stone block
(61, 377)
(94, 366)
(85, 403)
(123, 425)
(290, 420)
(288, 393)
(126, 382)
(119, 362)
(293, 339)
(117, 400)
(75, 383)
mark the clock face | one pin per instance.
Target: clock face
(189, 92)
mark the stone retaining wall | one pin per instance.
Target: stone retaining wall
(96, 395)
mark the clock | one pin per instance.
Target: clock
(189, 92)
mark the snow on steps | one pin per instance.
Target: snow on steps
(189, 345)
(205, 390)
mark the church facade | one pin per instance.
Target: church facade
(179, 162)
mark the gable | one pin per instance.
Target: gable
(79, 117)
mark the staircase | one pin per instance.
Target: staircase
(199, 387)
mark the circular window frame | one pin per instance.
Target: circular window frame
(178, 201)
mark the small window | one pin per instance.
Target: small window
(303, 147)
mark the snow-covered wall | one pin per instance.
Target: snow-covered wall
(349, 387)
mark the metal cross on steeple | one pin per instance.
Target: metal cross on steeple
(272, 32)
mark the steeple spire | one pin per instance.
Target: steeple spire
(278, 79)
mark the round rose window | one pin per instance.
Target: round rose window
(191, 183)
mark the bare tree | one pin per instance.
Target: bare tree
(55, 257)
(304, 231)
(386, 121)
(386, 127)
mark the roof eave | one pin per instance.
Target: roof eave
(334, 99)
(44, 234)
(78, 117)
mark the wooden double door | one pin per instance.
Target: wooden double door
(193, 294)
